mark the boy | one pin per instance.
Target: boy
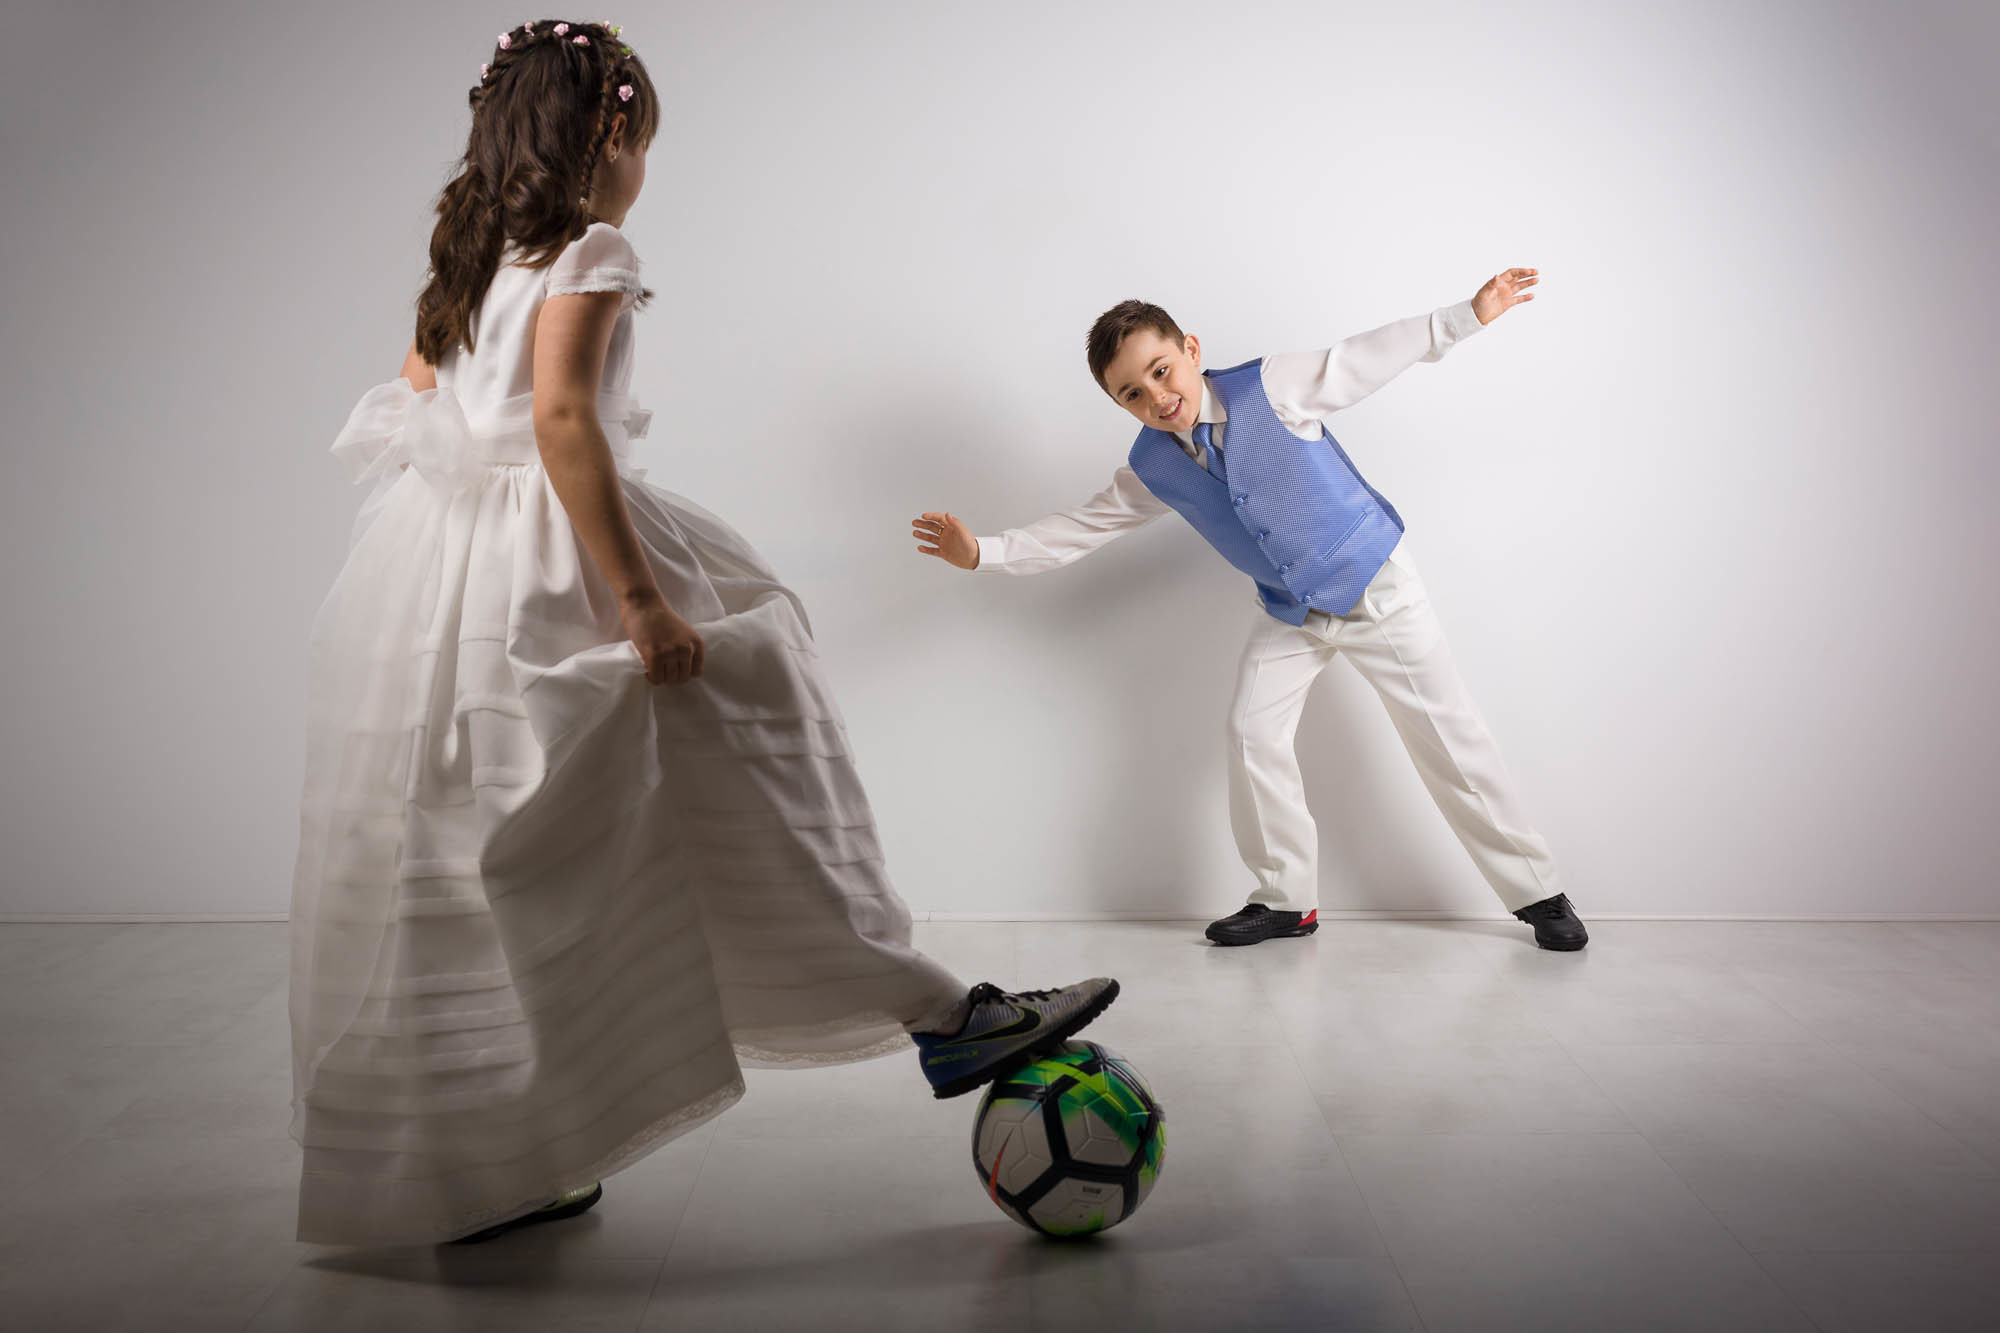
(1244, 456)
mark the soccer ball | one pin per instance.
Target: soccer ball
(1070, 1144)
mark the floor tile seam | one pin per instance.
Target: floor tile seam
(270, 1294)
(1609, 1100)
(1786, 1292)
(1688, 1189)
(1898, 928)
(1847, 1061)
(1663, 1151)
(1459, 1048)
(1482, 1133)
(1347, 1167)
(1375, 1225)
(1749, 974)
(1958, 1136)
(50, 1161)
(1812, 1033)
(1305, 1082)
(1971, 1252)
(1533, 1009)
(687, 1204)
(1821, 1044)
(1396, 1266)
(1790, 1301)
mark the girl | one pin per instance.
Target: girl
(580, 832)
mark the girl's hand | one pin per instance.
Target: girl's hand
(950, 540)
(1502, 292)
(670, 648)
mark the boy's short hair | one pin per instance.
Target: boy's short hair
(1120, 322)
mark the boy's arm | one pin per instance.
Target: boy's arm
(1306, 386)
(1049, 543)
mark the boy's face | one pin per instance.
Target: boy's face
(1157, 379)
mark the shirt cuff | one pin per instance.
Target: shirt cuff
(1460, 322)
(989, 554)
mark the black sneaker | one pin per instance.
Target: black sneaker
(1257, 923)
(1555, 923)
(566, 1205)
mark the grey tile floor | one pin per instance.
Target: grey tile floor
(1392, 1125)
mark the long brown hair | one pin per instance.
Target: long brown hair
(541, 113)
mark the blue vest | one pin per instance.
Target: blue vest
(1295, 517)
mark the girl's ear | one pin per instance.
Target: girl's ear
(614, 142)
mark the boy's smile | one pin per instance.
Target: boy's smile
(1157, 380)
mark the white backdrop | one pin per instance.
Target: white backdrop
(1709, 522)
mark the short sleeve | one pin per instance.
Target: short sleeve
(600, 260)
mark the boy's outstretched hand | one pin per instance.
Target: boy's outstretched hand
(1502, 292)
(946, 538)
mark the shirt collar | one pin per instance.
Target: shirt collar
(1211, 412)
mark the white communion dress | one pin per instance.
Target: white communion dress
(543, 910)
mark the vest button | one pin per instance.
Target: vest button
(1284, 569)
(1240, 499)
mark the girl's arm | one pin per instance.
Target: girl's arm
(570, 341)
(419, 372)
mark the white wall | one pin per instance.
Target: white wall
(1708, 522)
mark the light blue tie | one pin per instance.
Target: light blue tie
(1204, 435)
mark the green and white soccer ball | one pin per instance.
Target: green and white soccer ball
(1071, 1144)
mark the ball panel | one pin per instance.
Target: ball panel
(1077, 1207)
(1099, 1134)
(1013, 1147)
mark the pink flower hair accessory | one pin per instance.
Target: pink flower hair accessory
(580, 40)
(562, 29)
(506, 41)
(624, 92)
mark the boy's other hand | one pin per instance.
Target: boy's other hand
(946, 538)
(1502, 292)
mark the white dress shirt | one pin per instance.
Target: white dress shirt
(1303, 387)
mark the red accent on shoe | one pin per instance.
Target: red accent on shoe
(1309, 917)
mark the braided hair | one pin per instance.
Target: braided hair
(543, 109)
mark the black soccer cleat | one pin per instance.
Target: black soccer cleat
(1555, 923)
(1257, 923)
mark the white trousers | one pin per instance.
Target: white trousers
(1394, 640)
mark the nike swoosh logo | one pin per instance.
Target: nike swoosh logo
(1026, 1023)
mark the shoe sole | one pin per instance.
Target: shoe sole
(536, 1218)
(1293, 933)
(1561, 948)
(1027, 1055)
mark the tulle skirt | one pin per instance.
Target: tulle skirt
(544, 910)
